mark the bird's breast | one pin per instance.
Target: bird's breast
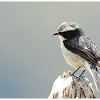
(72, 59)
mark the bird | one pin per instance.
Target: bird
(79, 50)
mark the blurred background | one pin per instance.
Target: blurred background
(30, 57)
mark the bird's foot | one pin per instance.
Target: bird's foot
(75, 71)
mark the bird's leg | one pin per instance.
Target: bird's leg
(82, 73)
(75, 71)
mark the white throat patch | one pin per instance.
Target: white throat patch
(61, 38)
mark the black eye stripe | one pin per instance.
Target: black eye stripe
(62, 33)
(70, 34)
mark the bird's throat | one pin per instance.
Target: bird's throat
(62, 38)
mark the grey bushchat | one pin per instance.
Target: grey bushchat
(79, 50)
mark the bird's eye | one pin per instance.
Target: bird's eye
(62, 33)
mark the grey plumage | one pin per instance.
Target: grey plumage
(83, 46)
(79, 50)
(95, 74)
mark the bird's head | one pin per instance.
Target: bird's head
(68, 30)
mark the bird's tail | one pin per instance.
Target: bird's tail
(95, 74)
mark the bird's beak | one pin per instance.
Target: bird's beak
(55, 34)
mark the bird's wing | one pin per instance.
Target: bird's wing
(84, 47)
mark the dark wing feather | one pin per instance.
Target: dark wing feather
(84, 47)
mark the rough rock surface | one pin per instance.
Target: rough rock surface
(67, 86)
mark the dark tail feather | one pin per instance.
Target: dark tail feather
(95, 74)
